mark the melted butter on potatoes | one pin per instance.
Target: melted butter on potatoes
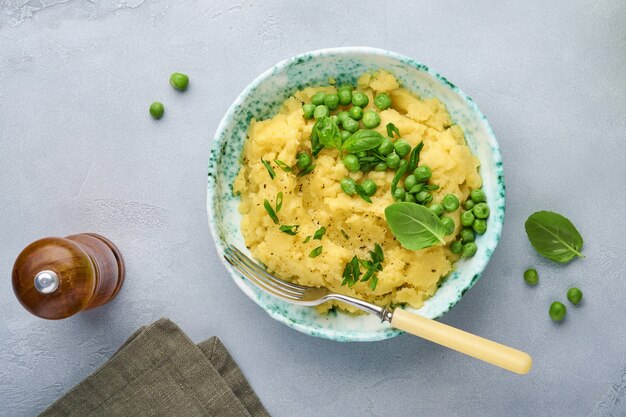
(317, 200)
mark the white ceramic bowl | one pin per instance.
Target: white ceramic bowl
(262, 99)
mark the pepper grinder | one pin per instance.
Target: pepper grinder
(55, 278)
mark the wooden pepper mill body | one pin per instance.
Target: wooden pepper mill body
(55, 278)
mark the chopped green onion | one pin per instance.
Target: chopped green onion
(269, 168)
(290, 230)
(319, 233)
(270, 211)
(316, 252)
(282, 165)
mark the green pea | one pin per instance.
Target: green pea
(308, 109)
(436, 208)
(371, 119)
(467, 235)
(531, 276)
(318, 98)
(360, 99)
(350, 125)
(345, 95)
(428, 199)
(382, 101)
(478, 196)
(423, 173)
(331, 101)
(422, 196)
(348, 185)
(410, 182)
(402, 148)
(448, 224)
(351, 162)
(450, 202)
(392, 160)
(321, 111)
(480, 226)
(386, 147)
(469, 249)
(156, 110)
(467, 218)
(409, 198)
(370, 187)
(417, 188)
(356, 113)
(481, 210)
(381, 166)
(342, 115)
(399, 194)
(179, 81)
(303, 160)
(361, 154)
(456, 247)
(574, 295)
(345, 135)
(557, 311)
(468, 205)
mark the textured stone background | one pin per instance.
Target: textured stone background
(80, 153)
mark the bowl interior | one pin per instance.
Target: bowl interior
(262, 99)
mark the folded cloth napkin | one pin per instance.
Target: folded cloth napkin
(159, 371)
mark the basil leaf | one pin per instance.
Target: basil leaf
(415, 227)
(290, 230)
(282, 165)
(316, 252)
(554, 236)
(363, 140)
(279, 201)
(316, 146)
(328, 132)
(391, 129)
(270, 211)
(415, 157)
(269, 168)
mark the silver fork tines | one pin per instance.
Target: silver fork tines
(290, 292)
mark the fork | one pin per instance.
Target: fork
(486, 350)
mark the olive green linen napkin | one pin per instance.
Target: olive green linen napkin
(159, 371)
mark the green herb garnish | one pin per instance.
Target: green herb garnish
(415, 226)
(343, 232)
(279, 201)
(328, 132)
(352, 270)
(316, 145)
(319, 233)
(402, 168)
(306, 170)
(362, 193)
(391, 129)
(363, 140)
(415, 157)
(270, 211)
(269, 168)
(308, 238)
(316, 252)
(282, 165)
(554, 236)
(290, 230)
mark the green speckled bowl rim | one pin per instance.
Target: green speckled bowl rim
(250, 290)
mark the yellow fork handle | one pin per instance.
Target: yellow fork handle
(486, 350)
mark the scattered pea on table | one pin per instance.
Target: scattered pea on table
(531, 276)
(557, 311)
(179, 81)
(156, 110)
(574, 295)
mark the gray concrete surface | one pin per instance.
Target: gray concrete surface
(80, 153)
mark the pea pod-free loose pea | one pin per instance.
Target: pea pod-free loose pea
(156, 110)
(402, 168)
(345, 95)
(557, 311)
(356, 113)
(531, 276)
(574, 295)
(179, 81)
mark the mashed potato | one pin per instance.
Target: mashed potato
(317, 199)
